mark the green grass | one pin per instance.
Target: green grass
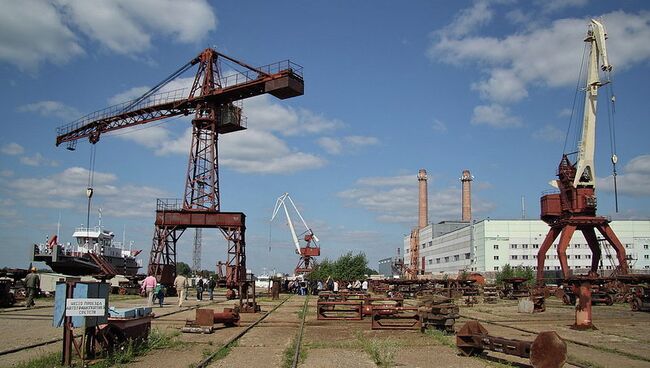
(290, 352)
(442, 337)
(52, 360)
(381, 351)
(123, 355)
(573, 359)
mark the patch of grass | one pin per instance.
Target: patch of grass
(346, 344)
(442, 337)
(586, 363)
(290, 352)
(382, 351)
(224, 351)
(52, 360)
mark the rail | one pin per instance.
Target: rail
(296, 355)
(206, 361)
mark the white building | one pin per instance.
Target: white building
(486, 246)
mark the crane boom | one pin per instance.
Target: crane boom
(281, 202)
(282, 80)
(585, 174)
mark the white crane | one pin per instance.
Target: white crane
(311, 249)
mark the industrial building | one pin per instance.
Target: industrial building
(486, 246)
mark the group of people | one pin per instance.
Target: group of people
(154, 290)
(313, 287)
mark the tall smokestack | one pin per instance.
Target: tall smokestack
(423, 213)
(466, 179)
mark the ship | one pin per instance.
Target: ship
(94, 253)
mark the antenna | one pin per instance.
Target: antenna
(523, 207)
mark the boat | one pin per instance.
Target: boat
(93, 253)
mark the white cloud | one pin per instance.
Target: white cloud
(352, 143)
(32, 31)
(126, 27)
(513, 63)
(51, 108)
(262, 152)
(495, 116)
(67, 190)
(549, 133)
(331, 145)
(468, 20)
(439, 126)
(38, 160)
(13, 149)
(550, 6)
(266, 115)
(634, 179)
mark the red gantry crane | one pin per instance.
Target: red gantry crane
(311, 248)
(212, 99)
(574, 207)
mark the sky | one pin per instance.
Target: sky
(487, 86)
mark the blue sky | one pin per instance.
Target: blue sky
(486, 86)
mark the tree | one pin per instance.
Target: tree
(509, 272)
(183, 268)
(347, 267)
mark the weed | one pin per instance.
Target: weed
(382, 351)
(290, 352)
(224, 351)
(442, 337)
(52, 360)
(582, 362)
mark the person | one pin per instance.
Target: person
(364, 286)
(319, 286)
(335, 286)
(180, 283)
(148, 285)
(357, 285)
(159, 292)
(330, 283)
(199, 289)
(33, 284)
(211, 285)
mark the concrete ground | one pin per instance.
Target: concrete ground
(620, 341)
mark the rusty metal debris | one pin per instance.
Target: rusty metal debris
(395, 318)
(205, 319)
(548, 350)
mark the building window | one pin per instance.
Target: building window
(525, 256)
(496, 258)
(578, 256)
(609, 267)
(525, 246)
(557, 267)
(437, 260)
(513, 246)
(496, 246)
(646, 257)
(513, 256)
(534, 268)
(467, 255)
(645, 246)
(423, 245)
(628, 245)
(609, 256)
(457, 257)
(446, 259)
(588, 256)
(568, 256)
(535, 246)
(547, 256)
(554, 256)
(647, 267)
(554, 246)
(496, 268)
(534, 256)
(547, 267)
(430, 243)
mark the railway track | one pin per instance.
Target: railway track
(53, 341)
(296, 355)
(208, 359)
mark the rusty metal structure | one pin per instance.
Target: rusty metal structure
(548, 350)
(213, 100)
(395, 318)
(438, 312)
(574, 206)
